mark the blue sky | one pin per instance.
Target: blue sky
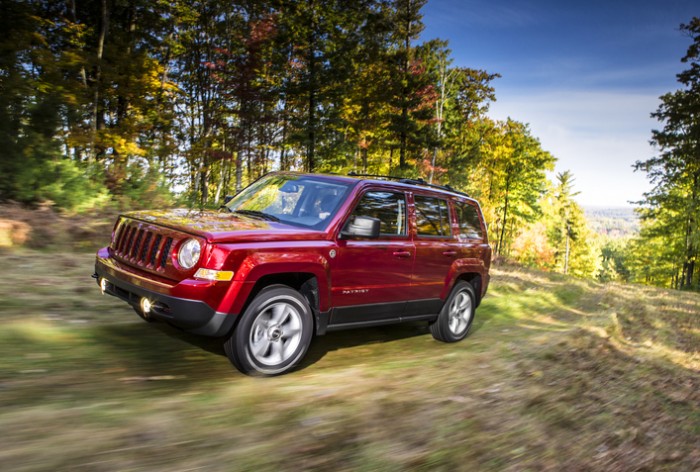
(584, 75)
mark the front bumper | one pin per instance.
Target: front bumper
(194, 316)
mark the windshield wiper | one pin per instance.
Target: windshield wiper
(257, 214)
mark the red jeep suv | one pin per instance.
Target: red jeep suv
(294, 255)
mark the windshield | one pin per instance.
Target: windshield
(299, 200)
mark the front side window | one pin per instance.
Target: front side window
(388, 207)
(432, 216)
(298, 200)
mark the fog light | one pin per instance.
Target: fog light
(146, 305)
(103, 285)
(216, 275)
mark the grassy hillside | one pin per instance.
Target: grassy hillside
(557, 374)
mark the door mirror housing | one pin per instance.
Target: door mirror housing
(228, 198)
(361, 227)
(289, 187)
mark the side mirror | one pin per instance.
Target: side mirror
(361, 227)
(289, 187)
(228, 198)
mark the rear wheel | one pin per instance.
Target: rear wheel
(455, 318)
(273, 334)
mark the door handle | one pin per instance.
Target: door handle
(402, 253)
(449, 253)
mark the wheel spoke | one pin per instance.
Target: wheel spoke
(290, 333)
(276, 353)
(454, 322)
(289, 319)
(463, 302)
(258, 332)
(261, 348)
(277, 313)
(288, 348)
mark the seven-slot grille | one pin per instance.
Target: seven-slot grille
(142, 245)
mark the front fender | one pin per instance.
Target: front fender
(257, 265)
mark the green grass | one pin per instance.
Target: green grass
(557, 374)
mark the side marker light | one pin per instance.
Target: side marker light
(215, 275)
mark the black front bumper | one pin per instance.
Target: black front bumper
(193, 316)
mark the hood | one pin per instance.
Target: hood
(219, 226)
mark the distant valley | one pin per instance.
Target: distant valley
(616, 222)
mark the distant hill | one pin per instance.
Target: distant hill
(616, 222)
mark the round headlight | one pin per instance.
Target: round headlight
(188, 255)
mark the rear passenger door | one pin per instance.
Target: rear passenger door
(436, 247)
(371, 278)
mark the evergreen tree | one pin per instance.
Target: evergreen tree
(410, 106)
(672, 207)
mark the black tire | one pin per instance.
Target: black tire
(273, 334)
(456, 317)
(148, 319)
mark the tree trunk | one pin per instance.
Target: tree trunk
(204, 183)
(403, 134)
(239, 170)
(505, 220)
(284, 165)
(439, 108)
(566, 253)
(311, 125)
(97, 109)
(74, 19)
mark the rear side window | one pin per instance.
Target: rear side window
(469, 222)
(388, 207)
(432, 216)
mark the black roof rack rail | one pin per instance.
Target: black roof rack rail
(405, 180)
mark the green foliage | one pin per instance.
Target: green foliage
(144, 187)
(671, 223)
(658, 253)
(509, 179)
(63, 182)
(616, 256)
(124, 104)
(575, 252)
(560, 240)
(212, 95)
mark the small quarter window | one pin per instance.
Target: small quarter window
(432, 216)
(469, 223)
(388, 207)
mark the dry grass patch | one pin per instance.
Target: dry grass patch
(558, 374)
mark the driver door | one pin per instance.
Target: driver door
(371, 278)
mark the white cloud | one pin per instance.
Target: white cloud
(597, 135)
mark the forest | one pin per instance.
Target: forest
(132, 103)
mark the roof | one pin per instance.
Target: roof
(413, 182)
(380, 179)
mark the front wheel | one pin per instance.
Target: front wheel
(455, 318)
(273, 334)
